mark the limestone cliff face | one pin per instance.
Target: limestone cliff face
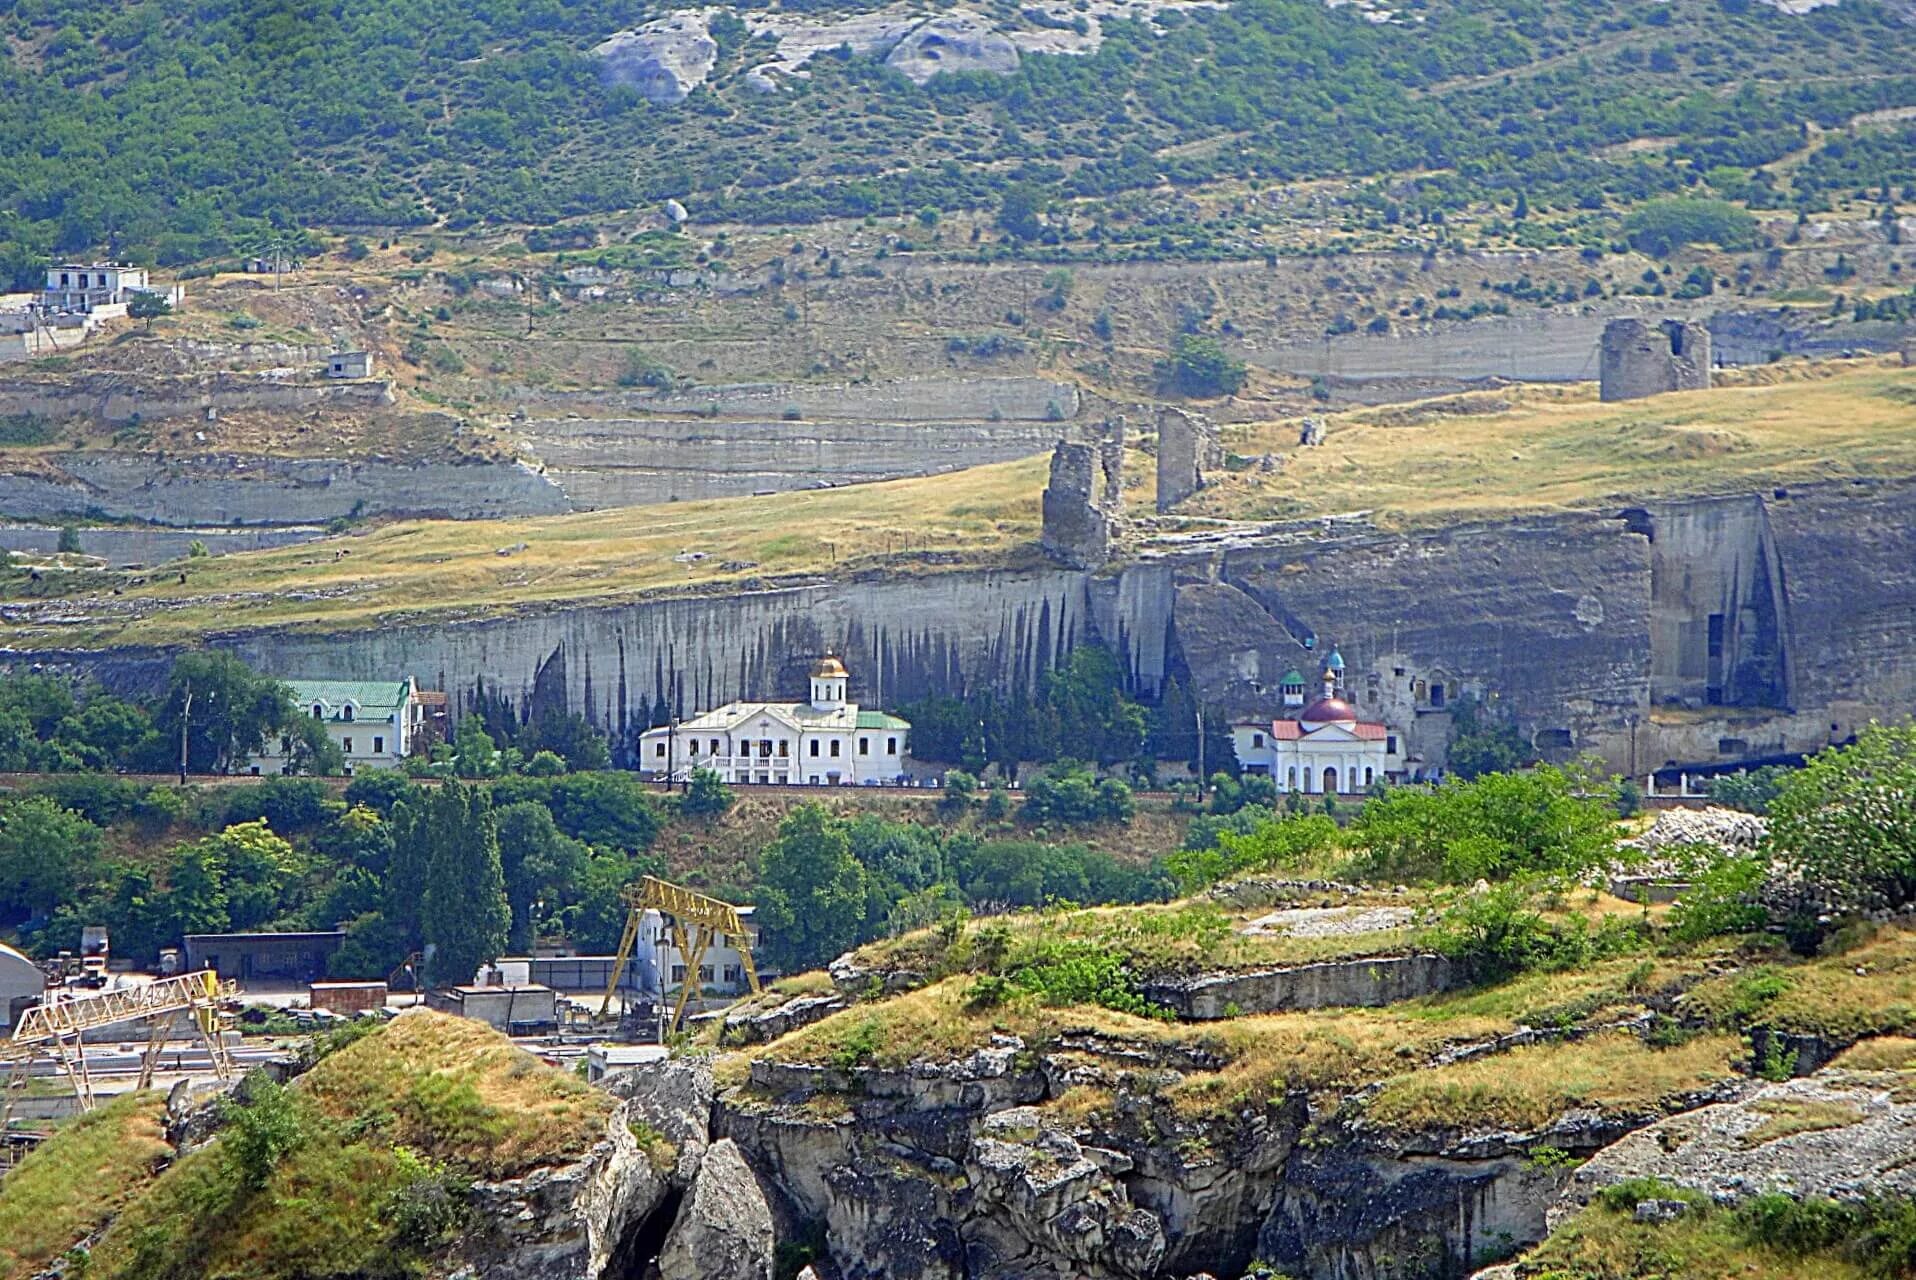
(1790, 610)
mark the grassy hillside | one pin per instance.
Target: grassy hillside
(176, 132)
(360, 1168)
(74, 1183)
(1473, 457)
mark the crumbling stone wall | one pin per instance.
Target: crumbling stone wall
(1084, 496)
(1187, 449)
(1640, 358)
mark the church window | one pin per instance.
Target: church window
(864, 746)
(1369, 775)
(1436, 694)
(814, 748)
(1390, 745)
(834, 748)
(1257, 739)
(784, 749)
(658, 749)
(891, 746)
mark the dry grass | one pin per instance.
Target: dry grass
(1559, 448)
(1528, 1087)
(1866, 991)
(455, 567)
(1883, 1053)
(76, 1181)
(1599, 1244)
(1790, 1116)
(454, 1089)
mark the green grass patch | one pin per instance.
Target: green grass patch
(1787, 1117)
(74, 1183)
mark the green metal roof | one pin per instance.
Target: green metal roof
(1293, 676)
(371, 699)
(879, 720)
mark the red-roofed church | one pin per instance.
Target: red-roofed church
(1327, 749)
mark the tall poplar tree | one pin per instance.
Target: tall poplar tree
(465, 916)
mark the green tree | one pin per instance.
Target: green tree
(706, 794)
(46, 854)
(1499, 825)
(1481, 742)
(1021, 211)
(313, 749)
(541, 865)
(1846, 822)
(230, 713)
(811, 896)
(1198, 366)
(148, 307)
(465, 917)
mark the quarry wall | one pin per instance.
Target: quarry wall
(122, 397)
(952, 399)
(606, 462)
(254, 489)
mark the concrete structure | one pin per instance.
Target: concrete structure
(347, 998)
(1323, 748)
(517, 1009)
(1084, 499)
(260, 957)
(350, 364)
(603, 1059)
(96, 287)
(662, 967)
(826, 741)
(1187, 451)
(21, 986)
(1640, 359)
(371, 722)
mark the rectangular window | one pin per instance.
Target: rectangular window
(678, 973)
(864, 746)
(714, 746)
(891, 746)
(814, 748)
(658, 749)
(784, 749)
(379, 746)
(695, 746)
(1390, 745)
(346, 745)
(834, 748)
(1257, 739)
(705, 973)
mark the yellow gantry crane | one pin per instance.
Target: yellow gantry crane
(710, 920)
(56, 1029)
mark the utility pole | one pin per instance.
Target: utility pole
(671, 749)
(1197, 711)
(186, 716)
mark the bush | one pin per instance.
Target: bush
(1276, 843)
(1497, 932)
(1660, 227)
(1846, 823)
(1071, 795)
(1723, 897)
(545, 764)
(1198, 366)
(706, 794)
(1500, 825)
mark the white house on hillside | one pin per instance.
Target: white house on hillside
(99, 286)
(1326, 748)
(371, 721)
(827, 741)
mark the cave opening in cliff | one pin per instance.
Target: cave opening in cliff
(636, 1255)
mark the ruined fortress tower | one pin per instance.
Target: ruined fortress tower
(1187, 450)
(1640, 358)
(1083, 500)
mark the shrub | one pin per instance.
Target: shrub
(1660, 227)
(1846, 823)
(1723, 896)
(706, 794)
(1069, 794)
(1499, 825)
(1199, 366)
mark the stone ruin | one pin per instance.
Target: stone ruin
(1083, 501)
(1187, 449)
(1311, 433)
(1640, 358)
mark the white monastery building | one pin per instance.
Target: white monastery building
(1326, 749)
(371, 721)
(825, 742)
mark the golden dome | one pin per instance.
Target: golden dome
(828, 667)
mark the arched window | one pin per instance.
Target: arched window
(1370, 776)
(346, 712)
(1330, 782)
(319, 712)
(1290, 779)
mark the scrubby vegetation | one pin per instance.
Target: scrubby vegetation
(72, 1185)
(360, 1168)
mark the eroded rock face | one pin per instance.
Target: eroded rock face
(1373, 980)
(564, 1223)
(672, 1099)
(953, 42)
(664, 60)
(724, 1229)
(755, 1026)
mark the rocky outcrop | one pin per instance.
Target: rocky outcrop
(664, 60)
(671, 1102)
(130, 397)
(724, 1229)
(1842, 1134)
(755, 1025)
(565, 1223)
(951, 43)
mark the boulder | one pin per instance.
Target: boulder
(955, 41)
(672, 1100)
(664, 60)
(724, 1229)
(755, 1026)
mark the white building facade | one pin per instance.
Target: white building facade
(1324, 748)
(372, 722)
(825, 742)
(99, 287)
